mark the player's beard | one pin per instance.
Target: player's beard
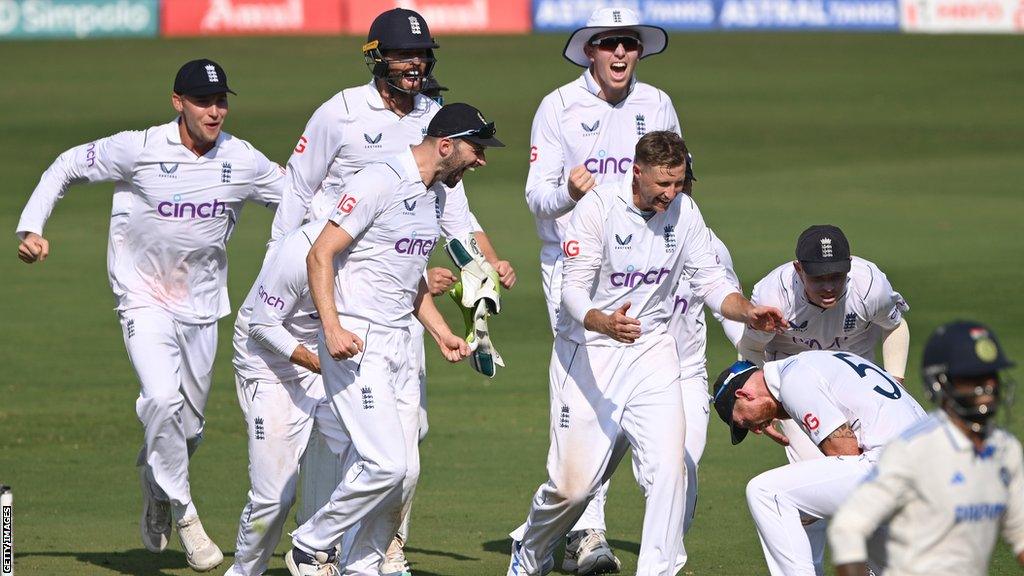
(451, 170)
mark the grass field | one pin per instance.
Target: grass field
(914, 145)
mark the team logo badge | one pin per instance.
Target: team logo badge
(984, 347)
(211, 73)
(259, 432)
(826, 247)
(641, 125)
(414, 25)
(591, 129)
(373, 141)
(623, 242)
(668, 234)
(849, 322)
(225, 172)
(563, 417)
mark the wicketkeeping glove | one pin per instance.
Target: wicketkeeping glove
(478, 296)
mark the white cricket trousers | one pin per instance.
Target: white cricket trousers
(279, 418)
(364, 394)
(174, 363)
(608, 399)
(783, 498)
(801, 448)
(551, 279)
(321, 472)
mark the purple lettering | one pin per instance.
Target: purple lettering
(191, 211)
(680, 303)
(170, 209)
(631, 279)
(90, 154)
(270, 300)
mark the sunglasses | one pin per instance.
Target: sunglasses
(485, 132)
(611, 43)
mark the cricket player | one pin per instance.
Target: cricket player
(179, 191)
(614, 366)
(849, 407)
(583, 134)
(951, 482)
(359, 125)
(833, 301)
(365, 272)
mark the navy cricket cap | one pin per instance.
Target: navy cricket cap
(399, 29)
(728, 382)
(463, 121)
(823, 249)
(201, 78)
(963, 349)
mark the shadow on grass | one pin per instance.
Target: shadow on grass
(138, 562)
(504, 546)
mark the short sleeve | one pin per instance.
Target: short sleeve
(364, 199)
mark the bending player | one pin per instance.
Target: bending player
(608, 369)
(948, 484)
(833, 301)
(846, 405)
(375, 249)
(584, 134)
(179, 190)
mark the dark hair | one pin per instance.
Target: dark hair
(662, 148)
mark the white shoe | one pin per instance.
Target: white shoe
(320, 564)
(155, 524)
(394, 563)
(200, 552)
(587, 553)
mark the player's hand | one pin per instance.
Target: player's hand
(452, 347)
(306, 358)
(766, 319)
(439, 280)
(580, 182)
(342, 344)
(33, 248)
(506, 273)
(774, 431)
(616, 325)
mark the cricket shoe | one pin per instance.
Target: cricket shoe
(515, 563)
(200, 552)
(155, 524)
(300, 563)
(394, 563)
(587, 553)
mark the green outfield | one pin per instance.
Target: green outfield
(914, 145)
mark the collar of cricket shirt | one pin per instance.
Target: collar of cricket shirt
(594, 88)
(376, 102)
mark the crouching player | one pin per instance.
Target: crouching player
(616, 377)
(847, 406)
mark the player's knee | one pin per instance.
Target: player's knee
(159, 406)
(759, 492)
(390, 472)
(574, 495)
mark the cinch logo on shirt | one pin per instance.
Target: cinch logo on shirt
(681, 305)
(178, 209)
(270, 300)
(979, 512)
(631, 278)
(415, 246)
(604, 164)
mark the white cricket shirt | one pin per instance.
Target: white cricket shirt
(615, 254)
(947, 502)
(173, 213)
(394, 222)
(688, 325)
(573, 126)
(345, 134)
(822, 390)
(868, 306)
(278, 315)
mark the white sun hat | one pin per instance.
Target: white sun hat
(653, 38)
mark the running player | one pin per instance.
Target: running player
(615, 376)
(583, 134)
(179, 190)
